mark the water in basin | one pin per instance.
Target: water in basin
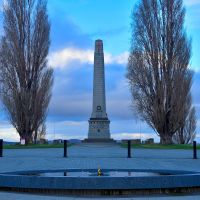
(89, 173)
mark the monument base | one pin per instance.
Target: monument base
(98, 140)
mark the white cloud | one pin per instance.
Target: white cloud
(9, 134)
(142, 136)
(3, 5)
(63, 136)
(63, 58)
(197, 105)
(116, 136)
(191, 2)
(198, 120)
(119, 59)
(195, 68)
(68, 123)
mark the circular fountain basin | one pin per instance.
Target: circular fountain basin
(92, 173)
(112, 181)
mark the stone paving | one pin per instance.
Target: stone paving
(20, 196)
(94, 156)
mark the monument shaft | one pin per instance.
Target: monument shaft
(99, 122)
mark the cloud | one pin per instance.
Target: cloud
(195, 89)
(119, 59)
(191, 2)
(67, 129)
(120, 129)
(72, 99)
(74, 107)
(3, 5)
(72, 129)
(195, 68)
(63, 58)
(64, 31)
(9, 134)
(142, 136)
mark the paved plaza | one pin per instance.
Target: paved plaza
(97, 155)
(20, 196)
(93, 156)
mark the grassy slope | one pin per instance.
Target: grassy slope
(33, 146)
(160, 146)
(137, 146)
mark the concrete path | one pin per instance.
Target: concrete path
(94, 156)
(21, 196)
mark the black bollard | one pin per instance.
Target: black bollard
(1, 148)
(194, 150)
(129, 148)
(65, 148)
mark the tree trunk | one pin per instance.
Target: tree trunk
(166, 139)
(28, 139)
(35, 136)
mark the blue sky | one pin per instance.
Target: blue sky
(75, 27)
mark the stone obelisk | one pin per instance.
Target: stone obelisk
(99, 129)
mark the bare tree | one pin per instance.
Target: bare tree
(158, 72)
(186, 134)
(40, 134)
(26, 80)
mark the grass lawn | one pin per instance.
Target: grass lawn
(136, 146)
(33, 146)
(161, 146)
